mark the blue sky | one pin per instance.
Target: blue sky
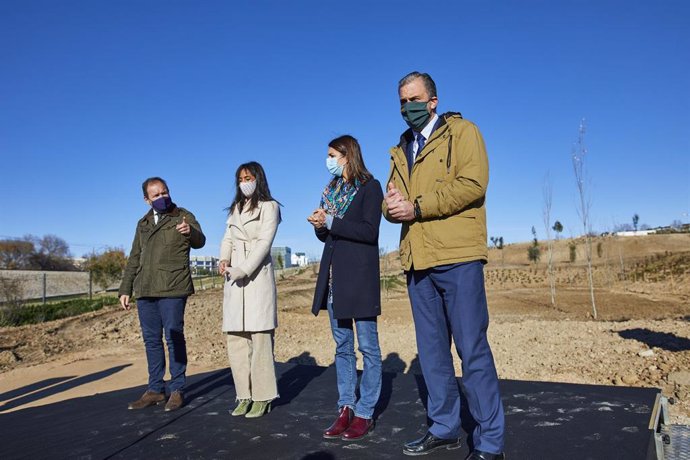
(95, 96)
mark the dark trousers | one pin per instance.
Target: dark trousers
(158, 316)
(449, 301)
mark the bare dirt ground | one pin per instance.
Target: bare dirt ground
(641, 336)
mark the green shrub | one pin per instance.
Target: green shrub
(32, 314)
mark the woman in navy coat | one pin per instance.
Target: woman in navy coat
(347, 221)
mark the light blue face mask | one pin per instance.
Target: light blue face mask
(333, 167)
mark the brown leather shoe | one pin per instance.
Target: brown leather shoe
(149, 398)
(340, 425)
(174, 402)
(358, 428)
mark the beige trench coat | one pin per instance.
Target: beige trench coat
(249, 304)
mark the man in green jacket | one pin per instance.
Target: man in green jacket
(436, 189)
(158, 272)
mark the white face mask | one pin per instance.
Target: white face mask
(248, 188)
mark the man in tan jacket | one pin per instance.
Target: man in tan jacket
(437, 189)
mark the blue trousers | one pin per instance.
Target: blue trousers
(158, 315)
(346, 363)
(449, 301)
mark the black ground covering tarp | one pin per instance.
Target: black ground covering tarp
(544, 420)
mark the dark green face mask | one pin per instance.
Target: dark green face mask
(416, 115)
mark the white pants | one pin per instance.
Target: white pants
(252, 365)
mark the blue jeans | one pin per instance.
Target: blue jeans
(346, 363)
(449, 303)
(158, 315)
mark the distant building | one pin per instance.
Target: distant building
(636, 233)
(300, 259)
(203, 265)
(282, 257)
(79, 262)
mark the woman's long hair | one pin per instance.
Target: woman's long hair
(262, 192)
(349, 148)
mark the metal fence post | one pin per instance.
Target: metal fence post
(44, 289)
(90, 285)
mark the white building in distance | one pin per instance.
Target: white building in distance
(300, 259)
(282, 257)
(203, 264)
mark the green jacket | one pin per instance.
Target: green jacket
(158, 264)
(448, 180)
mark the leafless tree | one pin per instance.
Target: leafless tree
(52, 253)
(546, 214)
(578, 156)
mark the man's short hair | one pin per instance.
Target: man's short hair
(429, 84)
(149, 181)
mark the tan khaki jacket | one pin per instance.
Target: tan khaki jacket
(448, 180)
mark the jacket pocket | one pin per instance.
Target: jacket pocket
(171, 277)
(453, 232)
(171, 237)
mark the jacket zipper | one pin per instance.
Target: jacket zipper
(450, 144)
(399, 173)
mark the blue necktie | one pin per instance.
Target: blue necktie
(412, 154)
(420, 144)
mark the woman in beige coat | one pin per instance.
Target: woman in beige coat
(249, 302)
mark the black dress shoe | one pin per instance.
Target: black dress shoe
(428, 444)
(479, 455)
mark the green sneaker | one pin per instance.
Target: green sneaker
(259, 408)
(242, 407)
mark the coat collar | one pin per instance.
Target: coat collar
(439, 132)
(252, 214)
(148, 217)
(241, 218)
(174, 212)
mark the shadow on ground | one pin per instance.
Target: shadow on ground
(48, 388)
(663, 340)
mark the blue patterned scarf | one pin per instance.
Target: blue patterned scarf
(338, 195)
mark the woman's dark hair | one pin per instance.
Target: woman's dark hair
(349, 148)
(262, 192)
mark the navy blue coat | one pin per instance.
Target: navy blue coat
(352, 249)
